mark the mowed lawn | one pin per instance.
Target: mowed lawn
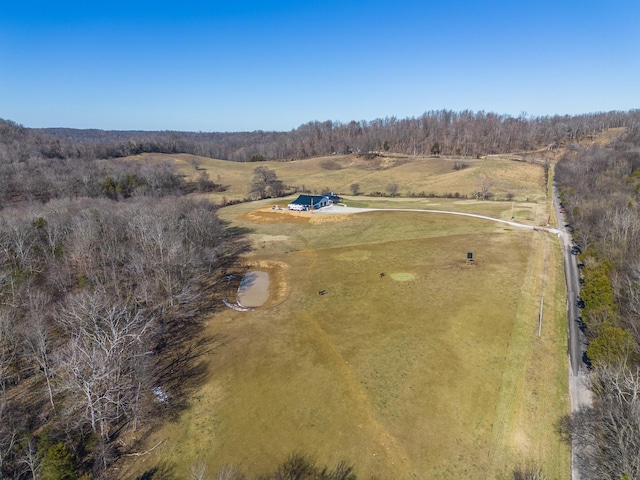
(412, 364)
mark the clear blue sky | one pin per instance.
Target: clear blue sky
(274, 64)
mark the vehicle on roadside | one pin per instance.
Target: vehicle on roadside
(586, 360)
(580, 303)
(575, 251)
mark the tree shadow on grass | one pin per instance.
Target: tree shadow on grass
(162, 471)
(181, 369)
(184, 368)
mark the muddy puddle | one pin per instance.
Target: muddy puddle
(254, 289)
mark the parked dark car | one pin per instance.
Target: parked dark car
(580, 303)
(581, 280)
(586, 360)
(575, 250)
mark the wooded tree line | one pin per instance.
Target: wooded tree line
(26, 173)
(105, 272)
(461, 133)
(600, 190)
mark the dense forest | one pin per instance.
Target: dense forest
(600, 190)
(106, 267)
(105, 271)
(462, 133)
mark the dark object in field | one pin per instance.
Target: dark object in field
(382, 274)
(322, 292)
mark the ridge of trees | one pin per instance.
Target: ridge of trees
(599, 189)
(27, 175)
(445, 132)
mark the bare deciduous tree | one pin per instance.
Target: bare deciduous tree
(265, 183)
(460, 164)
(198, 471)
(392, 189)
(9, 434)
(30, 459)
(39, 343)
(484, 186)
(608, 434)
(105, 340)
(7, 349)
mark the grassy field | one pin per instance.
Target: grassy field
(433, 370)
(414, 175)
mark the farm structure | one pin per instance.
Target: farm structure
(310, 202)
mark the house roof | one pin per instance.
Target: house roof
(332, 196)
(308, 199)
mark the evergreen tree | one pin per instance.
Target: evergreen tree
(58, 464)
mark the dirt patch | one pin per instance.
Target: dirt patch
(382, 163)
(362, 162)
(330, 165)
(402, 276)
(268, 215)
(319, 218)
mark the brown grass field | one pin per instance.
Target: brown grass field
(434, 370)
(414, 175)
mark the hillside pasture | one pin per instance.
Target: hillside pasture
(415, 176)
(412, 364)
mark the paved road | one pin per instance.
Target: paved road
(579, 388)
(577, 343)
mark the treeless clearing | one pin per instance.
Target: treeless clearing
(433, 370)
(413, 175)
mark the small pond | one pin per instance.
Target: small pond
(254, 289)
